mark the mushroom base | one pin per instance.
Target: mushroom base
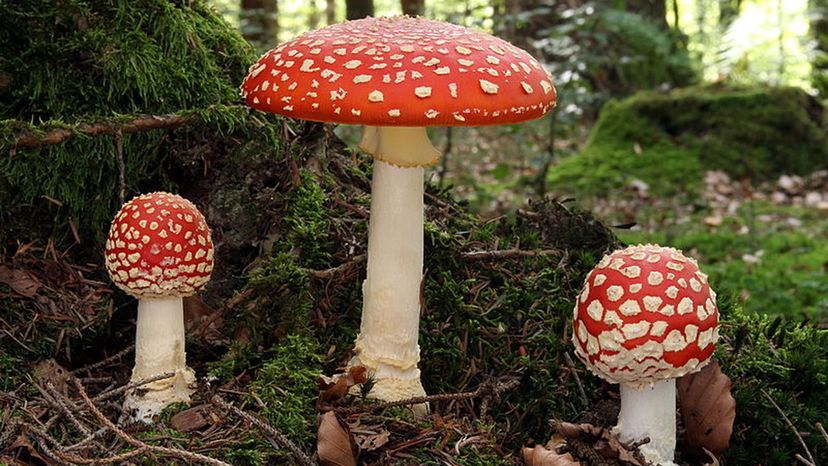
(392, 384)
(159, 348)
(650, 411)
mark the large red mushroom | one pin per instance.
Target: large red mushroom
(398, 76)
(159, 250)
(645, 317)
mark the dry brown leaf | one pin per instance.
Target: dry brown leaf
(19, 281)
(601, 439)
(541, 456)
(372, 441)
(336, 387)
(334, 443)
(191, 419)
(707, 408)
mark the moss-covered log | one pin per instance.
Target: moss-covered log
(669, 140)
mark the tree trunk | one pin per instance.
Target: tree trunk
(260, 22)
(653, 9)
(356, 9)
(728, 11)
(819, 33)
(330, 12)
(313, 15)
(413, 7)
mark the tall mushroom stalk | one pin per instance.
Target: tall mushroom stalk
(387, 341)
(646, 316)
(159, 250)
(397, 76)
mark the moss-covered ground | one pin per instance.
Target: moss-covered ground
(288, 205)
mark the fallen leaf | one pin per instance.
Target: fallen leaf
(49, 371)
(601, 439)
(190, 419)
(334, 444)
(372, 441)
(541, 456)
(19, 281)
(707, 408)
(336, 387)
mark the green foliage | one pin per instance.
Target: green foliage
(11, 372)
(669, 140)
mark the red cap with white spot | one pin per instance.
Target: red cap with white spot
(400, 71)
(646, 313)
(159, 245)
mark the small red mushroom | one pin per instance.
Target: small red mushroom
(159, 250)
(646, 316)
(397, 76)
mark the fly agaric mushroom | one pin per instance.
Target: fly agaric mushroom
(159, 250)
(646, 316)
(397, 76)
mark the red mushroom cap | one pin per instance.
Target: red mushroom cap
(646, 313)
(400, 71)
(159, 245)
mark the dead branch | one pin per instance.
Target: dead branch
(140, 124)
(176, 452)
(106, 361)
(508, 254)
(792, 427)
(277, 436)
(485, 389)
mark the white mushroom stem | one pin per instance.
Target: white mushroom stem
(650, 411)
(159, 348)
(387, 342)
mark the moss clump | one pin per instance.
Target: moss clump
(787, 361)
(72, 62)
(670, 140)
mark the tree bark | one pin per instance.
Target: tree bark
(413, 7)
(330, 12)
(819, 33)
(356, 9)
(260, 22)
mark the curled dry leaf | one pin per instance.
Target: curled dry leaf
(336, 387)
(542, 456)
(334, 443)
(707, 408)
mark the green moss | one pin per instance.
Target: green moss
(670, 140)
(785, 271)
(286, 386)
(789, 362)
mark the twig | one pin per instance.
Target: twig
(486, 389)
(822, 431)
(140, 124)
(106, 361)
(328, 273)
(187, 455)
(574, 372)
(117, 391)
(508, 254)
(802, 460)
(790, 424)
(119, 154)
(270, 430)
